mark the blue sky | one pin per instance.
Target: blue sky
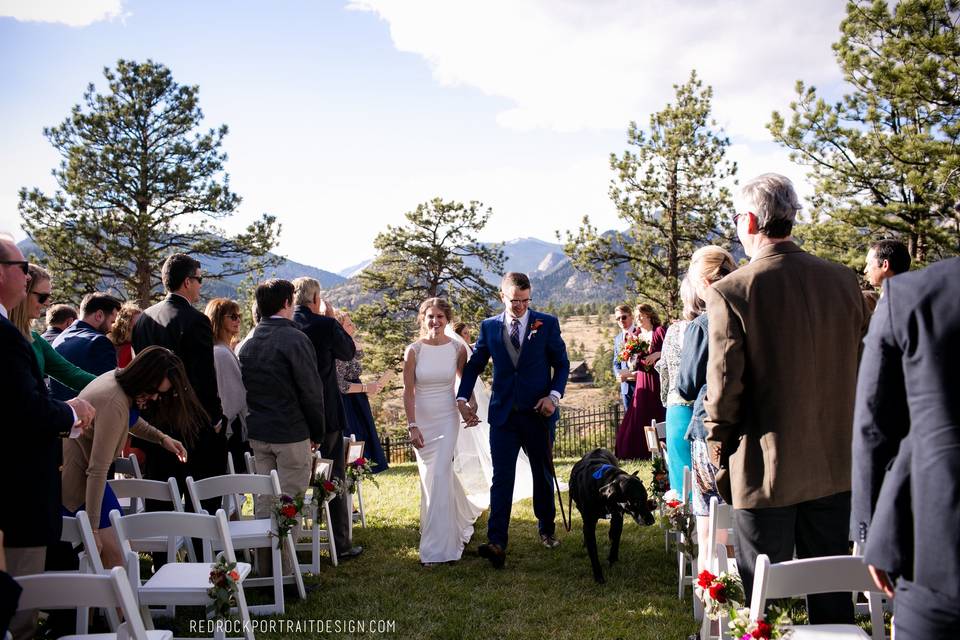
(344, 115)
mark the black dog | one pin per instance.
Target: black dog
(599, 487)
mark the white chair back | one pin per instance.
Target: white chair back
(323, 467)
(209, 529)
(251, 461)
(129, 466)
(139, 490)
(72, 590)
(229, 486)
(354, 449)
(721, 519)
(811, 576)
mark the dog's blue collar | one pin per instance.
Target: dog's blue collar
(598, 474)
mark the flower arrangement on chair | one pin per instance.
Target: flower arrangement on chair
(661, 480)
(325, 490)
(287, 511)
(679, 518)
(223, 589)
(360, 469)
(743, 628)
(719, 592)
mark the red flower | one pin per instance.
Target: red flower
(673, 504)
(329, 486)
(234, 575)
(288, 510)
(536, 325)
(361, 461)
(705, 579)
(716, 592)
(762, 631)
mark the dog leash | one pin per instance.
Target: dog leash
(567, 522)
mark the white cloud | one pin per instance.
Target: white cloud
(73, 13)
(596, 64)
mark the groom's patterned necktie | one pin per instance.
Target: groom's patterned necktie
(515, 334)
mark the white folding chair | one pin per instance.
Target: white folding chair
(715, 559)
(686, 567)
(233, 504)
(811, 576)
(323, 470)
(129, 467)
(354, 450)
(139, 490)
(251, 462)
(254, 533)
(78, 532)
(109, 591)
(180, 583)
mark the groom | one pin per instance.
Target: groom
(530, 370)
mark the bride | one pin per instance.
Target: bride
(430, 368)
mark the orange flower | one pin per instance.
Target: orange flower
(234, 575)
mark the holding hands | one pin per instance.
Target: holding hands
(468, 411)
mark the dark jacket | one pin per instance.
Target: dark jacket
(692, 378)
(33, 425)
(330, 343)
(174, 323)
(284, 390)
(87, 348)
(909, 384)
(51, 334)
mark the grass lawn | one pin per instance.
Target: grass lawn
(541, 593)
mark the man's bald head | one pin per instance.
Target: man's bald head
(13, 277)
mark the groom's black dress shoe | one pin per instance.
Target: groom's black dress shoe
(352, 552)
(493, 553)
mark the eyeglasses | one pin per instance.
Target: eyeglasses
(623, 317)
(199, 279)
(233, 316)
(41, 297)
(525, 301)
(23, 264)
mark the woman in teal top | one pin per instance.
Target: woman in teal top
(30, 308)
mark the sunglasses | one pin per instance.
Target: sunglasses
(41, 297)
(623, 317)
(199, 279)
(233, 316)
(23, 264)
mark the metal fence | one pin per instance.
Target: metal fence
(579, 431)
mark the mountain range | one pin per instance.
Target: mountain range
(553, 276)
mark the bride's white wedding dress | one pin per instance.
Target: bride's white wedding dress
(473, 464)
(446, 515)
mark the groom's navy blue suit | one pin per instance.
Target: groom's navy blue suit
(541, 367)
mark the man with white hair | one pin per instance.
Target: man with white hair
(30, 518)
(785, 334)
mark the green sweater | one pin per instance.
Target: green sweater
(57, 367)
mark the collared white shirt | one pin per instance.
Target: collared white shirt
(524, 319)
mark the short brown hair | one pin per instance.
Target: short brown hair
(624, 308)
(218, 309)
(176, 269)
(648, 310)
(97, 301)
(273, 295)
(515, 279)
(59, 313)
(458, 328)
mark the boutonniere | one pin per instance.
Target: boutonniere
(534, 328)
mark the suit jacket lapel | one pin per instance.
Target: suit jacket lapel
(500, 325)
(526, 337)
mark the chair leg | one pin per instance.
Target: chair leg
(363, 513)
(331, 543)
(297, 575)
(244, 612)
(278, 578)
(682, 571)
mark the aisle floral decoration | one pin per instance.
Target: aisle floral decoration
(287, 511)
(718, 593)
(223, 589)
(773, 628)
(325, 490)
(680, 518)
(661, 480)
(360, 469)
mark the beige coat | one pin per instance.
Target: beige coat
(785, 336)
(87, 459)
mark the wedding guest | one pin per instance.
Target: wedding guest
(679, 409)
(121, 333)
(356, 400)
(623, 373)
(631, 442)
(785, 333)
(708, 266)
(175, 324)
(284, 396)
(885, 259)
(156, 377)
(224, 315)
(317, 319)
(85, 342)
(59, 317)
(906, 421)
(51, 363)
(29, 462)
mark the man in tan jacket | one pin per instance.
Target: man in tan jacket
(785, 334)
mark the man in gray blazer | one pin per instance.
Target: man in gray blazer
(785, 333)
(906, 419)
